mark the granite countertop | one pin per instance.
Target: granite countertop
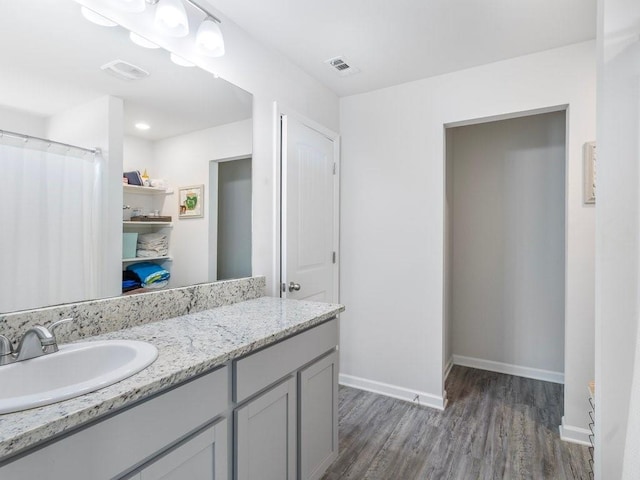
(187, 346)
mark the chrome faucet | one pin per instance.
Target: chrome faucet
(35, 342)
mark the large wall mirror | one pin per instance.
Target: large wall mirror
(57, 216)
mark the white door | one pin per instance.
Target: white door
(309, 267)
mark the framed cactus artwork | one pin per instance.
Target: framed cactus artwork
(191, 201)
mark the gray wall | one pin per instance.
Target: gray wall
(234, 219)
(508, 221)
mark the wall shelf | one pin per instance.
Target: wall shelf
(146, 259)
(128, 223)
(146, 190)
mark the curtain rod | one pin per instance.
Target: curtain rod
(46, 140)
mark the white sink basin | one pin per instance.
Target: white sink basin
(74, 370)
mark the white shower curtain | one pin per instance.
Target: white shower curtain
(50, 240)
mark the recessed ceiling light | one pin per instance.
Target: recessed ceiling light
(181, 61)
(98, 19)
(141, 41)
(143, 126)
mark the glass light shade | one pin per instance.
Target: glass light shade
(209, 40)
(180, 61)
(141, 41)
(171, 18)
(96, 18)
(133, 6)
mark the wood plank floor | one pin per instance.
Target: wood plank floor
(495, 427)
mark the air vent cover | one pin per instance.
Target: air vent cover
(342, 66)
(124, 70)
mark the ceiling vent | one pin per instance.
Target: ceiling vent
(340, 65)
(124, 70)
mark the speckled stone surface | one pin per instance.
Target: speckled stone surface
(188, 345)
(96, 317)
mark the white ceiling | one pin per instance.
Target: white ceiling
(393, 42)
(51, 57)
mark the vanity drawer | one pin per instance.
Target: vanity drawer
(265, 367)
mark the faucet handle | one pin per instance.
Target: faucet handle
(5, 346)
(6, 349)
(57, 323)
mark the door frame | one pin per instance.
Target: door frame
(212, 216)
(447, 363)
(281, 113)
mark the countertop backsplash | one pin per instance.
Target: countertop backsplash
(96, 317)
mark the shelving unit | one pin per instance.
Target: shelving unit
(148, 199)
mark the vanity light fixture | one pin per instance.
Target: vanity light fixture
(96, 18)
(141, 41)
(180, 61)
(171, 18)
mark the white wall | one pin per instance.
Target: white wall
(99, 123)
(270, 78)
(137, 154)
(22, 122)
(184, 160)
(392, 222)
(508, 244)
(618, 251)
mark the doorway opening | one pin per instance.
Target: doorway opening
(505, 246)
(230, 219)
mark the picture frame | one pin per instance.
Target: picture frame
(590, 173)
(191, 201)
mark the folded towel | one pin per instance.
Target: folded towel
(152, 253)
(152, 245)
(149, 273)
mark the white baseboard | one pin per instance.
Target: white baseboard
(421, 398)
(572, 434)
(527, 372)
(447, 368)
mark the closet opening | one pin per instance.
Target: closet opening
(505, 246)
(230, 218)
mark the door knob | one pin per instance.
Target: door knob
(294, 286)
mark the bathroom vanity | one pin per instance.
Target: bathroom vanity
(242, 391)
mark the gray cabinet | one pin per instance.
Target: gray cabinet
(318, 387)
(283, 403)
(266, 435)
(119, 445)
(201, 457)
(290, 431)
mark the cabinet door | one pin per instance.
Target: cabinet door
(201, 457)
(318, 386)
(266, 435)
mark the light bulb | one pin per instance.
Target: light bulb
(171, 18)
(141, 41)
(209, 40)
(98, 19)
